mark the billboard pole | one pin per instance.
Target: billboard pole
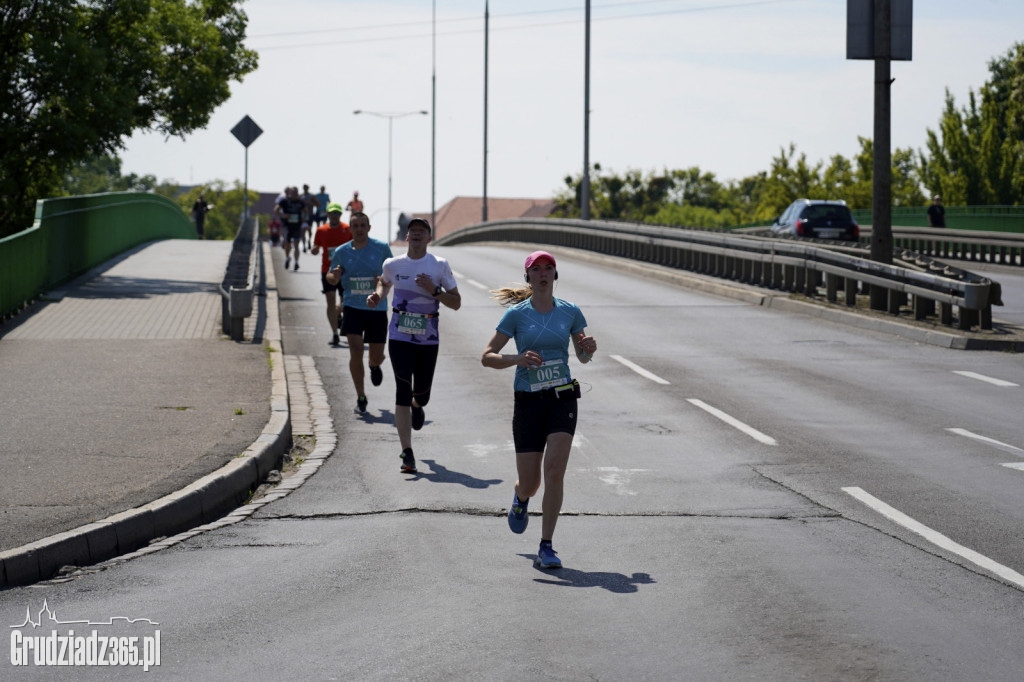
(881, 208)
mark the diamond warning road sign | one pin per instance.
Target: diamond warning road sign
(246, 131)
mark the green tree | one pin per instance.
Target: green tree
(976, 156)
(790, 178)
(103, 174)
(78, 77)
(696, 188)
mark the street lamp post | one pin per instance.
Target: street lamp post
(390, 116)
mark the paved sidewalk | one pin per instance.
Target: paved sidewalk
(121, 390)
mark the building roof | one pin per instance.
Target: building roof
(463, 211)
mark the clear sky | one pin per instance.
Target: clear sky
(719, 84)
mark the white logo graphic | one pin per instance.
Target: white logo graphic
(94, 649)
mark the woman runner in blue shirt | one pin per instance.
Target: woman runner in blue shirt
(544, 419)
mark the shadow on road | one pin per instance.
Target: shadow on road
(613, 582)
(441, 474)
(385, 417)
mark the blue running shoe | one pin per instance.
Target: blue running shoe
(517, 516)
(546, 557)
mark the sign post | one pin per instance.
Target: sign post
(246, 131)
(880, 30)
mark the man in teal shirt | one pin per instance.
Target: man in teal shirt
(357, 265)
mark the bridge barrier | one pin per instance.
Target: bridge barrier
(240, 279)
(974, 246)
(71, 235)
(783, 264)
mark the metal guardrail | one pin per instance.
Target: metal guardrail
(239, 284)
(782, 264)
(996, 248)
(974, 246)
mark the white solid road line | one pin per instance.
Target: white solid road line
(982, 377)
(1019, 466)
(639, 370)
(990, 441)
(935, 537)
(732, 421)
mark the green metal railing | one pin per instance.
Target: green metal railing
(70, 235)
(979, 218)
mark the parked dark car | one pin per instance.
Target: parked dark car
(818, 219)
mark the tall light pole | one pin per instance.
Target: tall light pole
(433, 112)
(390, 116)
(585, 181)
(487, 32)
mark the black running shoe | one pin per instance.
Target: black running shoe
(408, 462)
(335, 340)
(417, 417)
(361, 403)
(376, 375)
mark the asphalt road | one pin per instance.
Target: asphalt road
(725, 514)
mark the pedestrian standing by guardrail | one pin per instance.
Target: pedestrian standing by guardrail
(936, 213)
(357, 265)
(545, 412)
(422, 282)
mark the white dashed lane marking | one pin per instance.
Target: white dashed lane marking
(732, 421)
(982, 377)
(935, 537)
(638, 369)
(988, 441)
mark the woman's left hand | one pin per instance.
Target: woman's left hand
(586, 343)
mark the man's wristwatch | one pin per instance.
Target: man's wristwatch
(437, 292)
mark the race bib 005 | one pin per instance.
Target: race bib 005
(551, 373)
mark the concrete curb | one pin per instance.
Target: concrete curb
(202, 502)
(784, 301)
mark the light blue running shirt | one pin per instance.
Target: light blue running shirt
(546, 333)
(362, 266)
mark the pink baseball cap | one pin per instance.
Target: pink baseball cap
(539, 255)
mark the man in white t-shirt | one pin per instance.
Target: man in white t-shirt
(422, 282)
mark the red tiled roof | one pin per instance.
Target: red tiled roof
(463, 211)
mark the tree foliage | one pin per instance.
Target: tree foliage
(225, 217)
(103, 174)
(695, 198)
(79, 77)
(976, 157)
